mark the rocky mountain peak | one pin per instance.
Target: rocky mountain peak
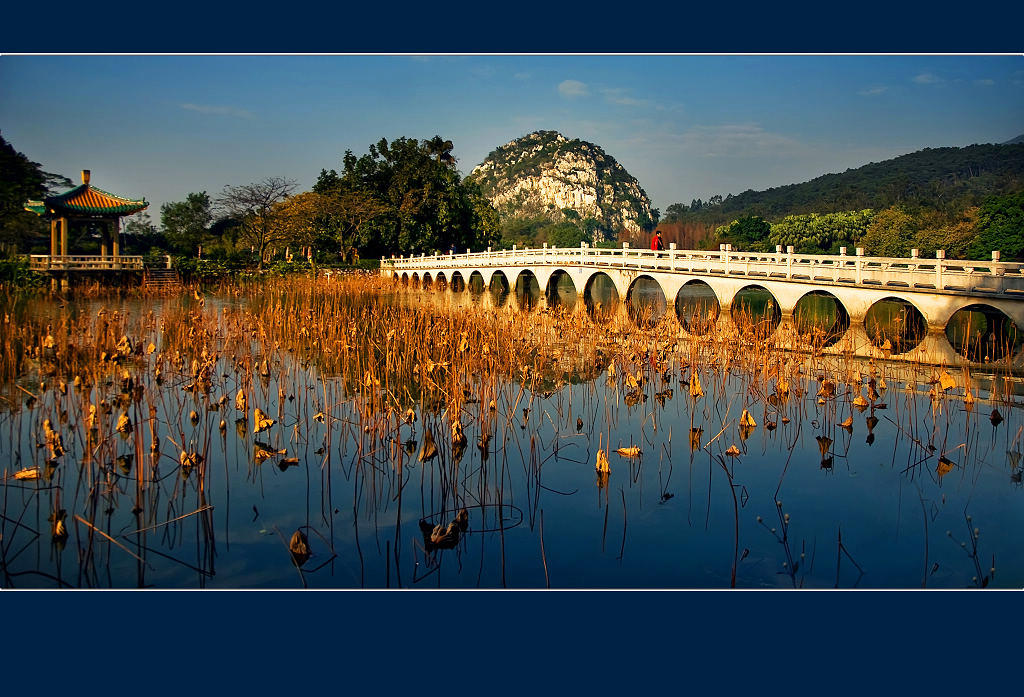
(544, 174)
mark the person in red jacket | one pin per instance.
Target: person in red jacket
(656, 241)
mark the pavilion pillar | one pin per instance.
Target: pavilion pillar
(104, 242)
(115, 237)
(54, 242)
(63, 237)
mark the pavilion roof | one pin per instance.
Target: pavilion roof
(87, 199)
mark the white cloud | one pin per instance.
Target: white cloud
(927, 79)
(619, 96)
(873, 91)
(573, 88)
(218, 110)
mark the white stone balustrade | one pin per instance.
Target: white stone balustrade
(85, 262)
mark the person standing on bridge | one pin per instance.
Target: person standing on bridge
(657, 243)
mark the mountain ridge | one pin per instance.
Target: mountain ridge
(930, 175)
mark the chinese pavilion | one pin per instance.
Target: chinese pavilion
(95, 207)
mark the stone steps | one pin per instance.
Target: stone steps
(161, 279)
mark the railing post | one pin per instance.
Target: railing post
(726, 249)
(998, 271)
(860, 264)
(789, 261)
(625, 251)
(940, 256)
(672, 256)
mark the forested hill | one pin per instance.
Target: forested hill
(934, 178)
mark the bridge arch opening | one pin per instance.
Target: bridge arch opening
(498, 288)
(820, 319)
(561, 291)
(458, 284)
(983, 334)
(427, 280)
(697, 307)
(405, 279)
(476, 283)
(646, 302)
(600, 297)
(755, 311)
(527, 290)
(895, 325)
(441, 283)
(416, 280)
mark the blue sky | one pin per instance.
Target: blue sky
(685, 126)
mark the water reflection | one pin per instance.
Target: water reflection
(756, 310)
(646, 302)
(601, 298)
(697, 307)
(498, 289)
(767, 477)
(895, 325)
(561, 291)
(527, 291)
(821, 319)
(982, 333)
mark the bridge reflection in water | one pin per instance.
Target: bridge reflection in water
(937, 311)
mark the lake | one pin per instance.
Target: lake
(411, 438)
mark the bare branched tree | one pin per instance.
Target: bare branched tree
(255, 205)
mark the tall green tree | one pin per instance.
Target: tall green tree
(891, 233)
(419, 201)
(22, 180)
(1000, 227)
(141, 235)
(675, 212)
(749, 233)
(187, 223)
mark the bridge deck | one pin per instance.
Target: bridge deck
(983, 278)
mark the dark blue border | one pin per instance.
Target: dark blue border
(527, 26)
(509, 641)
(514, 641)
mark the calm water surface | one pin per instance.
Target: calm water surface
(916, 492)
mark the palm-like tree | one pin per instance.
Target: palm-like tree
(441, 149)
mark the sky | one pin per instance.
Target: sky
(686, 126)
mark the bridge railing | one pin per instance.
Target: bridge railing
(84, 262)
(914, 273)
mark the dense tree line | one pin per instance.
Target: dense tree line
(403, 197)
(974, 233)
(407, 197)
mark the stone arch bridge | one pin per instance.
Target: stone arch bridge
(935, 289)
